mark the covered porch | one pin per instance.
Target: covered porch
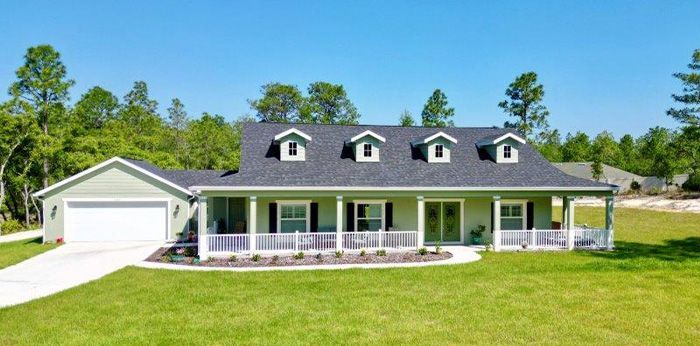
(276, 223)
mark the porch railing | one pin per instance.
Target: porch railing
(588, 238)
(294, 242)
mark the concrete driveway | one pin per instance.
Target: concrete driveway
(67, 266)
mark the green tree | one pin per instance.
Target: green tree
(436, 113)
(690, 114)
(576, 148)
(42, 82)
(629, 155)
(604, 150)
(550, 146)
(95, 108)
(656, 151)
(212, 143)
(140, 115)
(178, 121)
(280, 103)
(329, 104)
(17, 135)
(406, 119)
(524, 103)
(686, 148)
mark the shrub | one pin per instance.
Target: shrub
(524, 245)
(363, 252)
(339, 254)
(275, 258)
(488, 246)
(298, 256)
(232, 258)
(11, 226)
(166, 258)
(635, 186)
(438, 247)
(423, 251)
(693, 183)
(381, 252)
(256, 257)
(319, 256)
(190, 251)
(210, 259)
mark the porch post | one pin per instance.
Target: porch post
(202, 228)
(610, 220)
(253, 222)
(496, 223)
(421, 221)
(339, 223)
(570, 228)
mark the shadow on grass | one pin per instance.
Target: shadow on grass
(670, 250)
(34, 241)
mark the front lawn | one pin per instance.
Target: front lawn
(646, 292)
(18, 251)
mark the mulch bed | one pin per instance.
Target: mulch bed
(169, 255)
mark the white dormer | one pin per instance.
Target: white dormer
(436, 148)
(292, 145)
(502, 149)
(366, 146)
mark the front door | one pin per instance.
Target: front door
(442, 222)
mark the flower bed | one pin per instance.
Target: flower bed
(186, 257)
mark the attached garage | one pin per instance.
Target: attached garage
(117, 200)
(101, 220)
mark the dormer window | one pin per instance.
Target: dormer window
(507, 151)
(292, 145)
(367, 151)
(503, 148)
(366, 146)
(439, 151)
(292, 148)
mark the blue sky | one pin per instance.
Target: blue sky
(605, 65)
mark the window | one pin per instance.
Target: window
(439, 150)
(367, 150)
(512, 217)
(293, 148)
(293, 217)
(370, 217)
(506, 151)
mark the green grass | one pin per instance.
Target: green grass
(18, 251)
(646, 292)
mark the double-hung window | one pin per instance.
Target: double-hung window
(507, 151)
(294, 217)
(439, 149)
(512, 216)
(367, 150)
(370, 216)
(293, 148)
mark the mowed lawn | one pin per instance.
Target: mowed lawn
(18, 251)
(646, 292)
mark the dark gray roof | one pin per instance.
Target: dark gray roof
(329, 161)
(183, 178)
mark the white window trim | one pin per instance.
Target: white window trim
(364, 150)
(306, 203)
(296, 148)
(509, 151)
(442, 151)
(522, 203)
(370, 201)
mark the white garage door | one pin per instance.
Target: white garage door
(114, 221)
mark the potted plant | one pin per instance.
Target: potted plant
(190, 236)
(476, 234)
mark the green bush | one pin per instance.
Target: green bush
(635, 186)
(363, 252)
(275, 258)
(298, 256)
(693, 183)
(190, 251)
(232, 258)
(381, 252)
(256, 257)
(339, 254)
(423, 251)
(11, 226)
(319, 257)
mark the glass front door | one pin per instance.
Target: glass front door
(442, 222)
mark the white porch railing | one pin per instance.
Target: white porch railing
(294, 242)
(589, 238)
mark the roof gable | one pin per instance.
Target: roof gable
(434, 137)
(365, 134)
(292, 131)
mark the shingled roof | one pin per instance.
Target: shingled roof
(329, 162)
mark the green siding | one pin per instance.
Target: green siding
(114, 181)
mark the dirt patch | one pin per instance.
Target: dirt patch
(676, 203)
(172, 255)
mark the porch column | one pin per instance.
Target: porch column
(202, 228)
(610, 220)
(564, 211)
(253, 222)
(421, 221)
(496, 216)
(570, 228)
(339, 223)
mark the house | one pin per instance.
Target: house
(619, 177)
(331, 187)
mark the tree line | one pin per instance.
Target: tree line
(45, 138)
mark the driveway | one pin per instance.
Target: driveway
(68, 266)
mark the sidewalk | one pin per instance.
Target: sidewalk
(20, 236)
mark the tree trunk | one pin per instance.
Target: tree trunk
(46, 159)
(25, 194)
(39, 215)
